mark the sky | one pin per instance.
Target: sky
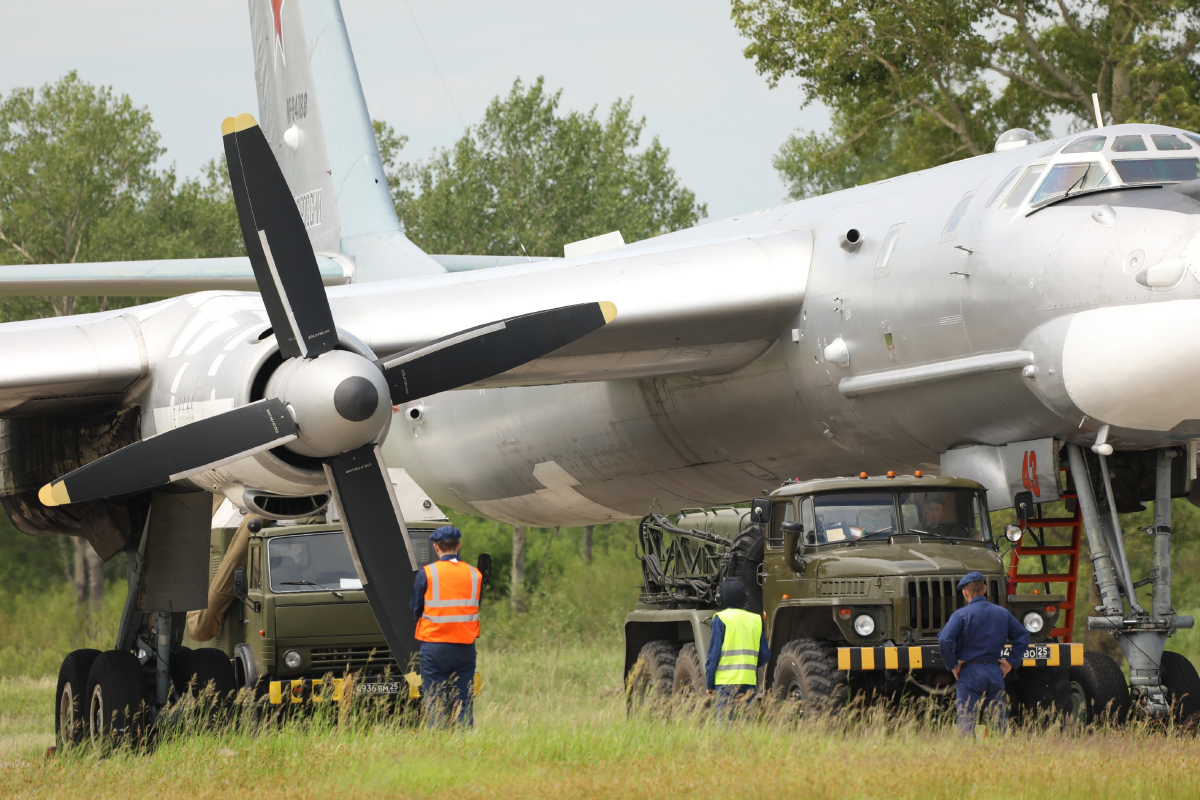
(190, 63)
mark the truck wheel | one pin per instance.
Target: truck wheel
(653, 675)
(1101, 687)
(747, 552)
(688, 683)
(1179, 678)
(70, 706)
(806, 673)
(1041, 690)
(195, 671)
(118, 710)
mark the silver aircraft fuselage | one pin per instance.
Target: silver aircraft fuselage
(1005, 326)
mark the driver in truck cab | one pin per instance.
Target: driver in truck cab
(737, 649)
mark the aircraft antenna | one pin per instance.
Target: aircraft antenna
(463, 122)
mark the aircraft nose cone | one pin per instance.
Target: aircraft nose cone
(356, 399)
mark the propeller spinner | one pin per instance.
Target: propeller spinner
(323, 402)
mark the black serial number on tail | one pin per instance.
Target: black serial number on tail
(297, 107)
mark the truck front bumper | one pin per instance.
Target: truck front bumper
(854, 659)
(319, 690)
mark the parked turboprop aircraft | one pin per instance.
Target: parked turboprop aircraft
(959, 317)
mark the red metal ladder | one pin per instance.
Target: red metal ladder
(1071, 551)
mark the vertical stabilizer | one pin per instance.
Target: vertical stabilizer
(312, 110)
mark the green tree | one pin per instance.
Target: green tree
(918, 83)
(528, 175)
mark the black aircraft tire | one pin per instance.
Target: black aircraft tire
(651, 681)
(70, 706)
(688, 683)
(747, 550)
(1102, 686)
(806, 673)
(194, 671)
(117, 701)
(1179, 678)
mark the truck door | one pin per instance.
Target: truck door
(779, 579)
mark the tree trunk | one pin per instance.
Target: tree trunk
(95, 576)
(81, 581)
(587, 544)
(517, 592)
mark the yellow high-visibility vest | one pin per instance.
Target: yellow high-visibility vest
(739, 651)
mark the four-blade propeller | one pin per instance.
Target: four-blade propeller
(323, 402)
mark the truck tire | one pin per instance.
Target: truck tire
(806, 674)
(195, 671)
(1040, 691)
(688, 683)
(747, 552)
(652, 678)
(1179, 678)
(1099, 690)
(118, 708)
(70, 705)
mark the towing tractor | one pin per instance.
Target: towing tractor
(855, 578)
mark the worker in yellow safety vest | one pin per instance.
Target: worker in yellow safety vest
(737, 649)
(445, 604)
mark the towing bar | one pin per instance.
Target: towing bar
(930, 657)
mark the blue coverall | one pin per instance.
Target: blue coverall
(976, 634)
(442, 662)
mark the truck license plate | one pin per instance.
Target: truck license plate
(1031, 651)
(384, 687)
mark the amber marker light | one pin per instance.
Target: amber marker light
(787, 597)
(1050, 610)
(262, 633)
(845, 612)
(891, 475)
(862, 476)
(918, 474)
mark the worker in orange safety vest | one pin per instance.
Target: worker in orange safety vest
(445, 604)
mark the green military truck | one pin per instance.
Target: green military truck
(855, 578)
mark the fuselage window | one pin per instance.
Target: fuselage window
(885, 252)
(1023, 187)
(1086, 144)
(1128, 144)
(1064, 178)
(1000, 187)
(956, 216)
(1167, 141)
(1157, 170)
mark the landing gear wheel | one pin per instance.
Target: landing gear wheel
(653, 675)
(747, 558)
(207, 669)
(70, 705)
(1179, 678)
(117, 711)
(806, 674)
(688, 684)
(1101, 686)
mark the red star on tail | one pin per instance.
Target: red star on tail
(277, 11)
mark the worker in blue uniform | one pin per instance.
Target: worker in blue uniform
(972, 641)
(737, 649)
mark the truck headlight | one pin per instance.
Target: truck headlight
(1033, 622)
(292, 658)
(864, 624)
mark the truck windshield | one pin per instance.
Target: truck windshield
(948, 513)
(847, 516)
(311, 562)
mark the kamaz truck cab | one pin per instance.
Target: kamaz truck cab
(855, 578)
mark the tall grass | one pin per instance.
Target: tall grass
(38, 629)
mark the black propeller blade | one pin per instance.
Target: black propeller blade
(285, 267)
(379, 542)
(486, 350)
(176, 454)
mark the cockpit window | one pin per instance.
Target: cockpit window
(1167, 141)
(1128, 144)
(1070, 177)
(1086, 144)
(1000, 187)
(1021, 190)
(1157, 170)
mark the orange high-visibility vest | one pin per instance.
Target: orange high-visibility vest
(451, 603)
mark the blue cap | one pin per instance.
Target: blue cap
(970, 577)
(449, 533)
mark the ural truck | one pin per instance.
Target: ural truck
(855, 578)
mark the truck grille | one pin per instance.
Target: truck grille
(931, 601)
(353, 659)
(843, 588)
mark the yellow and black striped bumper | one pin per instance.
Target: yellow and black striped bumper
(318, 690)
(930, 657)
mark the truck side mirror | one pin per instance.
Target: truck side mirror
(791, 543)
(760, 511)
(484, 565)
(239, 583)
(1023, 505)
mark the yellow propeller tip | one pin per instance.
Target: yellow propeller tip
(609, 310)
(239, 123)
(54, 494)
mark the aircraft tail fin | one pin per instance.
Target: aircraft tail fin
(312, 110)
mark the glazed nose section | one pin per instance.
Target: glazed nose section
(1136, 366)
(356, 399)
